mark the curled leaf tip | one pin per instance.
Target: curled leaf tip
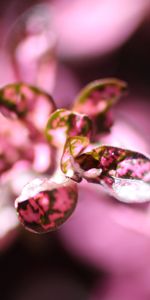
(44, 205)
(63, 123)
(74, 146)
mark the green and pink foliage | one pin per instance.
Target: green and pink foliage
(75, 137)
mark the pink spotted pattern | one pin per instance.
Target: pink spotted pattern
(64, 123)
(26, 102)
(116, 162)
(47, 209)
(97, 98)
(124, 174)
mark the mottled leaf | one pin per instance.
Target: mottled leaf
(44, 205)
(26, 102)
(21, 135)
(97, 98)
(63, 123)
(73, 147)
(125, 174)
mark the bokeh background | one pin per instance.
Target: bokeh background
(103, 250)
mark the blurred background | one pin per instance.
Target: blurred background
(103, 250)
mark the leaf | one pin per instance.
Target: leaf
(44, 205)
(21, 134)
(73, 147)
(26, 102)
(97, 98)
(63, 123)
(125, 174)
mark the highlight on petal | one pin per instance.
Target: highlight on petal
(125, 174)
(63, 123)
(44, 205)
(73, 147)
(26, 102)
(97, 98)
